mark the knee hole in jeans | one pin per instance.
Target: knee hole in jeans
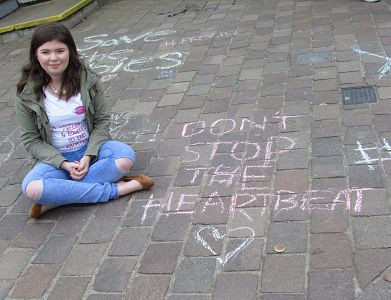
(123, 164)
(34, 190)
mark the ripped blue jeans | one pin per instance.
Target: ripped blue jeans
(97, 186)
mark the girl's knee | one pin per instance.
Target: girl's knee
(34, 190)
(124, 164)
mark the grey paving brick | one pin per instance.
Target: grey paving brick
(371, 232)
(325, 73)
(225, 81)
(204, 234)
(377, 290)
(276, 89)
(69, 288)
(194, 275)
(84, 259)
(198, 90)
(130, 241)
(374, 203)
(293, 159)
(189, 297)
(274, 296)
(362, 134)
(292, 234)
(141, 213)
(363, 176)
(384, 92)
(146, 96)
(32, 235)
(370, 263)
(298, 94)
(221, 93)
(329, 97)
(171, 99)
(357, 117)
(329, 220)
(188, 114)
(3, 246)
(216, 106)
(55, 250)
(330, 251)
(163, 166)
(382, 123)
(301, 140)
(113, 208)
(101, 296)
(11, 226)
(171, 228)
(160, 258)
(149, 287)
(362, 154)
(330, 284)
(247, 259)
(180, 87)
(203, 79)
(325, 167)
(184, 76)
(212, 210)
(72, 222)
(28, 286)
(13, 262)
(283, 274)
(9, 194)
(159, 84)
(100, 230)
(114, 274)
(326, 112)
(189, 102)
(325, 128)
(291, 180)
(5, 287)
(295, 123)
(248, 85)
(381, 108)
(327, 146)
(235, 286)
(254, 218)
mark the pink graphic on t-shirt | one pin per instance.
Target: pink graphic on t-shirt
(79, 110)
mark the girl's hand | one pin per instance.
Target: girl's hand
(82, 168)
(70, 167)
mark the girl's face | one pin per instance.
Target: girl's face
(53, 56)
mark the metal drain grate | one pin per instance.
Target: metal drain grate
(358, 95)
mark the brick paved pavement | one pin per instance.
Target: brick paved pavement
(249, 143)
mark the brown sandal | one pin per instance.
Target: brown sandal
(145, 181)
(35, 210)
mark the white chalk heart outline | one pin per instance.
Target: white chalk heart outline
(217, 236)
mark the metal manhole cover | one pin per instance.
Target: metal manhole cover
(311, 58)
(358, 95)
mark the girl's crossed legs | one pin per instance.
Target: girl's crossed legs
(49, 186)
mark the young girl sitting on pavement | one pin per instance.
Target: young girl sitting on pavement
(65, 123)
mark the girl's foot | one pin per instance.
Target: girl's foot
(36, 210)
(145, 181)
(129, 184)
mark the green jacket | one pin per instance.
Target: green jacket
(36, 135)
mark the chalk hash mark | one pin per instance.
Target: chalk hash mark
(384, 69)
(367, 159)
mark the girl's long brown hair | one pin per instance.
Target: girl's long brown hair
(33, 70)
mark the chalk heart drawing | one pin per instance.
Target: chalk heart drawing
(217, 236)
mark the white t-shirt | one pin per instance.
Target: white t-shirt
(67, 121)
